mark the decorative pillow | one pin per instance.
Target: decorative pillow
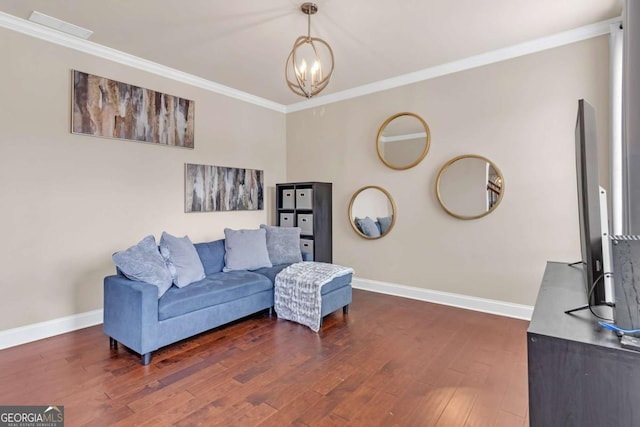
(182, 259)
(144, 263)
(385, 223)
(283, 244)
(245, 249)
(369, 227)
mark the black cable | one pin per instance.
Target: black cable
(593, 286)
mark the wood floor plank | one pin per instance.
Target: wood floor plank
(487, 405)
(389, 362)
(465, 395)
(407, 405)
(378, 407)
(290, 413)
(351, 395)
(435, 399)
(507, 419)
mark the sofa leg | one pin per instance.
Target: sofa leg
(270, 311)
(145, 358)
(345, 309)
(113, 343)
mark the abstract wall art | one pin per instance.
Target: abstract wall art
(108, 108)
(217, 188)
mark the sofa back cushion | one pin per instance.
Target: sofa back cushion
(182, 259)
(212, 256)
(283, 244)
(245, 249)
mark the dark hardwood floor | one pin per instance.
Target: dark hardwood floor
(390, 361)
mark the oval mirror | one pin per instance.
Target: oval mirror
(403, 141)
(372, 212)
(469, 186)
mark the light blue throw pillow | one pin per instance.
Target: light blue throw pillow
(144, 263)
(283, 244)
(368, 227)
(182, 259)
(245, 249)
(385, 223)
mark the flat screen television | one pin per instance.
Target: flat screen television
(589, 203)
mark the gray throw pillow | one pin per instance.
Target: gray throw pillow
(385, 223)
(144, 263)
(182, 259)
(283, 244)
(245, 249)
(369, 227)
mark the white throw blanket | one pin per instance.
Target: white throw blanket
(298, 291)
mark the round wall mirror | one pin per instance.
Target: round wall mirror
(372, 212)
(469, 186)
(403, 141)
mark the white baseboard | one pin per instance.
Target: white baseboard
(50, 328)
(517, 311)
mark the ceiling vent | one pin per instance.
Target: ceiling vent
(57, 24)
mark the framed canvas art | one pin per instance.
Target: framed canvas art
(217, 188)
(112, 109)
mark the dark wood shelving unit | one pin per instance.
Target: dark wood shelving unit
(307, 205)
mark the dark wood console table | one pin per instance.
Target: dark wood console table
(578, 373)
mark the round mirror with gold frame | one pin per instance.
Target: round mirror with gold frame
(372, 212)
(403, 141)
(469, 186)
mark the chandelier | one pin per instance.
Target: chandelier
(304, 69)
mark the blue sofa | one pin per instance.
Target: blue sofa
(136, 318)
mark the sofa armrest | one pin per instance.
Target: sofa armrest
(131, 313)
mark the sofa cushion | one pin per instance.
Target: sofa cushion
(211, 255)
(245, 249)
(182, 259)
(336, 283)
(217, 288)
(271, 272)
(143, 262)
(283, 244)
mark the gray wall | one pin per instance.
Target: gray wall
(520, 114)
(70, 201)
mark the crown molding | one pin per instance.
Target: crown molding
(47, 34)
(556, 40)
(526, 48)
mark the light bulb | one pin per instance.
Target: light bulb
(316, 72)
(302, 71)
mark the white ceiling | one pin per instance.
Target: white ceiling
(244, 44)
